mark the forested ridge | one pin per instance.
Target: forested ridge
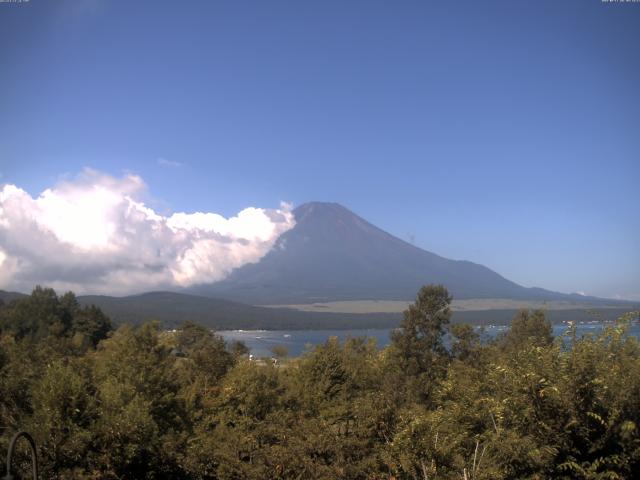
(143, 403)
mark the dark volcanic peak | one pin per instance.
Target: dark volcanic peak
(332, 215)
(334, 222)
(333, 254)
(320, 222)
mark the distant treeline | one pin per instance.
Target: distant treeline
(143, 403)
(504, 317)
(172, 309)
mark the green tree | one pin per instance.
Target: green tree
(141, 419)
(466, 342)
(239, 349)
(280, 351)
(64, 412)
(417, 346)
(529, 328)
(37, 316)
(43, 315)
(89, 326)
(204, 360)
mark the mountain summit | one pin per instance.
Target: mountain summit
(333, 254)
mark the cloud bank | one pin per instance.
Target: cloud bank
(94, 235)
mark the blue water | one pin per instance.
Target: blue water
(296, 341)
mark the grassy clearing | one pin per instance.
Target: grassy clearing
(475, 304)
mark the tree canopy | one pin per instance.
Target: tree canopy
(145, 403)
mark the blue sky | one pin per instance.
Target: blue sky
(502, 132)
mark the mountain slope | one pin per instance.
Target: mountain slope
(333, 254)
(6, 297)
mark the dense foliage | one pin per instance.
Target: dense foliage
(140, 402)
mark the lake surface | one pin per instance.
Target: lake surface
(296, 341)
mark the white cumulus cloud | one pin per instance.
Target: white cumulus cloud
(94, 235)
